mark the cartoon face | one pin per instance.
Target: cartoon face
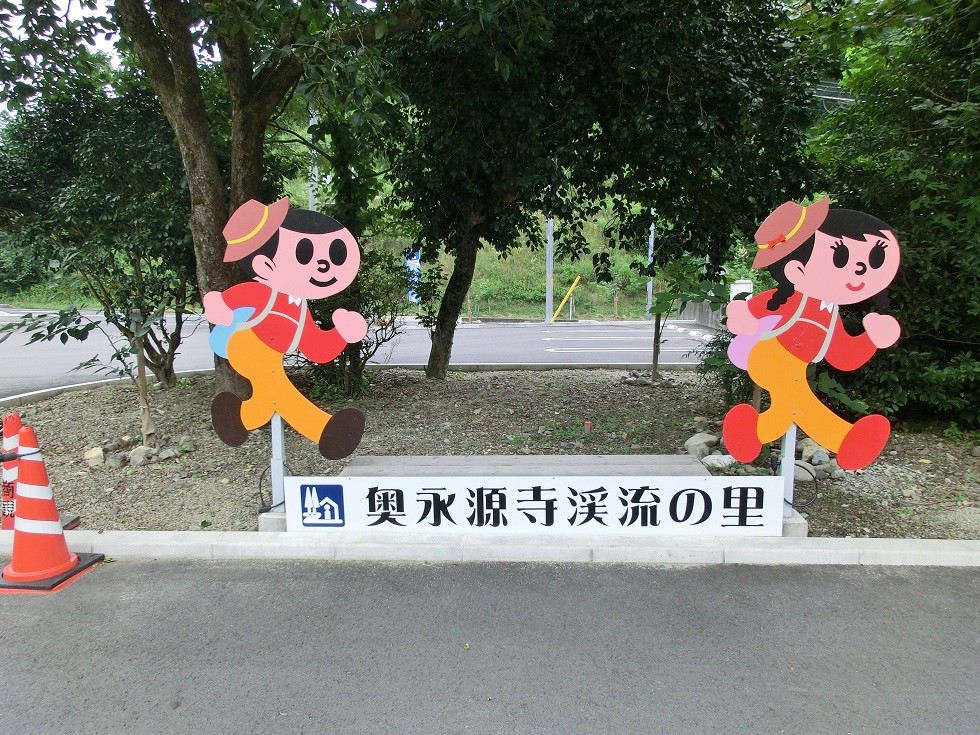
(310, 266)
(842, 270)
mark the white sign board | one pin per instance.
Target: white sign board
(647, 506)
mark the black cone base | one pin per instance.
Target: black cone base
(52, 584)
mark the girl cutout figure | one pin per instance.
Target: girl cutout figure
(821, 258)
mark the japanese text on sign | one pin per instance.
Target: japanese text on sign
(750, 506)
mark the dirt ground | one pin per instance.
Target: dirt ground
(926, 484)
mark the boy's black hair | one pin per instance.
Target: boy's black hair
(839, 223)
(297, 220)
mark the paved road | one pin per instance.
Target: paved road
(311, 647)
(25, 368)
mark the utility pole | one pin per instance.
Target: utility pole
(549, 275)
(651, 246)
(314, 171)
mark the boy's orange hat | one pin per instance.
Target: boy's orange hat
(251, 226)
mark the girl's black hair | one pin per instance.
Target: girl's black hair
(839, 223)
(297, 220)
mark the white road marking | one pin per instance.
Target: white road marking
(647, 350)
(594, 331)
(591, 339)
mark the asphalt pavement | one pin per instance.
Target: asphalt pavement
(223, 632)
(476, 346)
(175, 646)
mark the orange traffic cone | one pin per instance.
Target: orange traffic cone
(41, 559)
(11, 430)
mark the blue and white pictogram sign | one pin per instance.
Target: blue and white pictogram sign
(323, 505)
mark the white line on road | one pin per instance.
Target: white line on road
(592, 339)
(593, 331)
(607, 349)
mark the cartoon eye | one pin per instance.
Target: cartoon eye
(338, 252)
(304, 251)
(841, 254)
(876, 258)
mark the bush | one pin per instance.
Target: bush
(20, 270)
(380, 294)
(907, 152)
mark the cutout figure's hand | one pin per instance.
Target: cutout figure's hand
(740, 319)
(350, 325)
(883, 329)
(216, 310)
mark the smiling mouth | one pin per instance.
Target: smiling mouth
(322, 284)
(854, 288)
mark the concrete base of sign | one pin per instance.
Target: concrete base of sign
(794, 526)
(273, 521)
(504, 465)
(675, 465)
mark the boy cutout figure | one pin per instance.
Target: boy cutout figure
(291, 255)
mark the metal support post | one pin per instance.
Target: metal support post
(787, 468)
(278, 467)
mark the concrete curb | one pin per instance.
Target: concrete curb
(350, 546)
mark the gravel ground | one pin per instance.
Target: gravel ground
(925, 484)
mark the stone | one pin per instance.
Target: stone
(975, 451)
(820, 457)
(698, 451)
(719, 461)
(805, 448)
(141, 455)
(709, 440)
(94, 457)
(168, 453)
(186, 444)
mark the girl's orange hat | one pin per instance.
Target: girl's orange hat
(786, 229)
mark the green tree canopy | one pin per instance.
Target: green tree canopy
(93, 184)
(267, 51)
(524, 107)
(908, 151)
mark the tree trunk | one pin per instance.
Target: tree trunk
(148, 429)
(450, 309)
(171, 67)
(165, 46)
